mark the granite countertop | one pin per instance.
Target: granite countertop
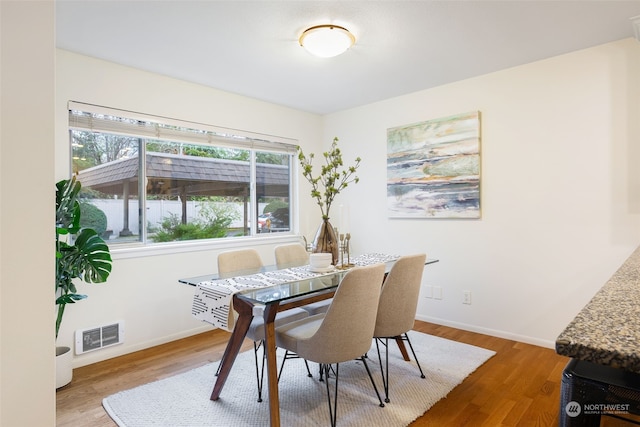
(607, 329)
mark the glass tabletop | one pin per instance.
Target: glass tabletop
(193, 281)
(284, 291)
(291, 290)
(216, 276)
(300, 288)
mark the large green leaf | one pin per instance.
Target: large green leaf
(69, 298)
(89, 258)
(67, 206)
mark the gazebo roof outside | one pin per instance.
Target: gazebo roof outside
(194, 176)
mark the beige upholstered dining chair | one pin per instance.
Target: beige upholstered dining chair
(247, 261)
(243, 261)
(291, 255)
(294, 255)
(397, 309)
(324, 339)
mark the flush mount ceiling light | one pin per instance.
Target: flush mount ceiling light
(326, 41)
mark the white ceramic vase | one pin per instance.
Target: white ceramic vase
(64, 369)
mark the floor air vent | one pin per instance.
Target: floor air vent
(100, 337)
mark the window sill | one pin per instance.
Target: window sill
(121, 252)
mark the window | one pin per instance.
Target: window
(151, 180)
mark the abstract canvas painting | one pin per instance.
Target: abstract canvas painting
(433, 168)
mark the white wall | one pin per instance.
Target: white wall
(143, 289)
(560, 190)
(560, 199)
(560, 195)
(27, 204)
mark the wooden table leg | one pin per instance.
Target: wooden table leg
(244, 310)
(272, 366)
(402, 348)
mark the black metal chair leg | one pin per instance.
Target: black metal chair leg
(219, 367)
(406, 337)
(291, 355)
(306, 364)
(366, 366)
(259, 371)
(333, 408)
(384, 371)
(284, 359)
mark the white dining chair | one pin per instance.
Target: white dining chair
(325, 338)
(248, 260)
(397, 309)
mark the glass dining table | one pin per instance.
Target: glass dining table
(266, 301)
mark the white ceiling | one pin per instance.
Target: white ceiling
(250, 47)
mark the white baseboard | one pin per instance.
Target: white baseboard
(492, 332)
(118, 350)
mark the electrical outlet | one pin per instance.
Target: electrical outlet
(427, 291)
(466, 297)
(437, 292)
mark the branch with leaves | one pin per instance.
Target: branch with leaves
(333, 177)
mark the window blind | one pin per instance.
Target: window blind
(95, 118)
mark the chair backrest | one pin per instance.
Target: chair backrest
(243, 261)
(347, 328)
(399, 296)
(292, 255)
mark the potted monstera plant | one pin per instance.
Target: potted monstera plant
(80, 254)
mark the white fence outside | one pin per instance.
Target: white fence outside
(157, 210)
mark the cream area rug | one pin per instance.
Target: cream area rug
(183, 400)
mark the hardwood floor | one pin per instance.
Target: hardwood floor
(519, 386)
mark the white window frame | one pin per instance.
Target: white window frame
(207, 135)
